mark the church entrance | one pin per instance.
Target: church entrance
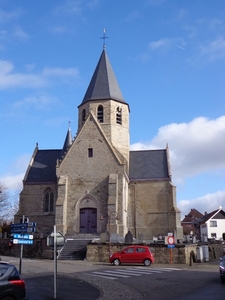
(88, 220)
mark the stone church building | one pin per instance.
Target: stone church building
(95, 184)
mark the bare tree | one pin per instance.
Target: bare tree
(9, 202)
(4, 205)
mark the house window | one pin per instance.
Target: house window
(100, 113)
(83, 115)
(90, 152)
(213, 223)
(49, 201)
(119, 115)
(213, 235)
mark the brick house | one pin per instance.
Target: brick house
(190, 223)
(95, 183)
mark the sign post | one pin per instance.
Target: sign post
(18, 231)
(55, 263)
(170, 241)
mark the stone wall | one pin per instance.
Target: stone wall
(181, 254)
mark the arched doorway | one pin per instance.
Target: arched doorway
(88, 220)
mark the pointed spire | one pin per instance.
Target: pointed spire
(68, 141)
(103, 84)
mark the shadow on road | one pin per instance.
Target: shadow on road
(42, 288)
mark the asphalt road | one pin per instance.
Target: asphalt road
(198, 282)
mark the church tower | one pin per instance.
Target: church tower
(104, 100)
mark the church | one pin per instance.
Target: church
(94, 184)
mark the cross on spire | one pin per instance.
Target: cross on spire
(104, 37)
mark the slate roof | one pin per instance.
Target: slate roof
(68, 142)
(193, 216)
(148, 164)
(43, 168)
(103, 84)
(216, 214)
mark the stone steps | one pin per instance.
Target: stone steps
(76, 247)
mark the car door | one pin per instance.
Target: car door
(140, 254)
(127, 255)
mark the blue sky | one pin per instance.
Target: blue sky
(169, 60)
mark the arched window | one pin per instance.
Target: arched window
(83, 115)
(100, 114)
(49, 201)
(119, 115)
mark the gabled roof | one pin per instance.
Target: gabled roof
(148, 164)
(192, 217)
(43, 166)
(103, 84)
(216, 214)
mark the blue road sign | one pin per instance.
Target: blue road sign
(19, 225)
(171, 246)
(32, 229)
(23, 227)
(23, 241)
(31, 224)
(19, 230)
(23, 236)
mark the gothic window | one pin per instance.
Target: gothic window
(100, 114)
(90, 152)
(49, 201)
(83, 115)
(119, 115)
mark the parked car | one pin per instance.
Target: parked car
(222, 269)
(12, 287)
(132, 254)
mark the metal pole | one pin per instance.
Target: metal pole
(109, 234)
(21, 251)
(55, 263)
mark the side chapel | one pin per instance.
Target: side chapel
(95, 182)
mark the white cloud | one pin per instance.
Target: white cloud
(41, 102)
(195, 147)
(19, 33)
(10, 79)
(8, 16)
(206, 203)
(214, 50)
(16, 171)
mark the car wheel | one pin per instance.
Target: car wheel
(116, 262)
(147, 262)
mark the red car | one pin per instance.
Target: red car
(132, 254)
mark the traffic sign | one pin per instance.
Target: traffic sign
(23, 227)
(170, 240)
(23, 241)
(19, 230)
(19, 225)
(23, 236)
(33, 229)
(60, 239)
(170, 246)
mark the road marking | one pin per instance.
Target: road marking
(123, 272)
(129, 272)
(111, 273)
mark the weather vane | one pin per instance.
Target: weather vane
(104, 37)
